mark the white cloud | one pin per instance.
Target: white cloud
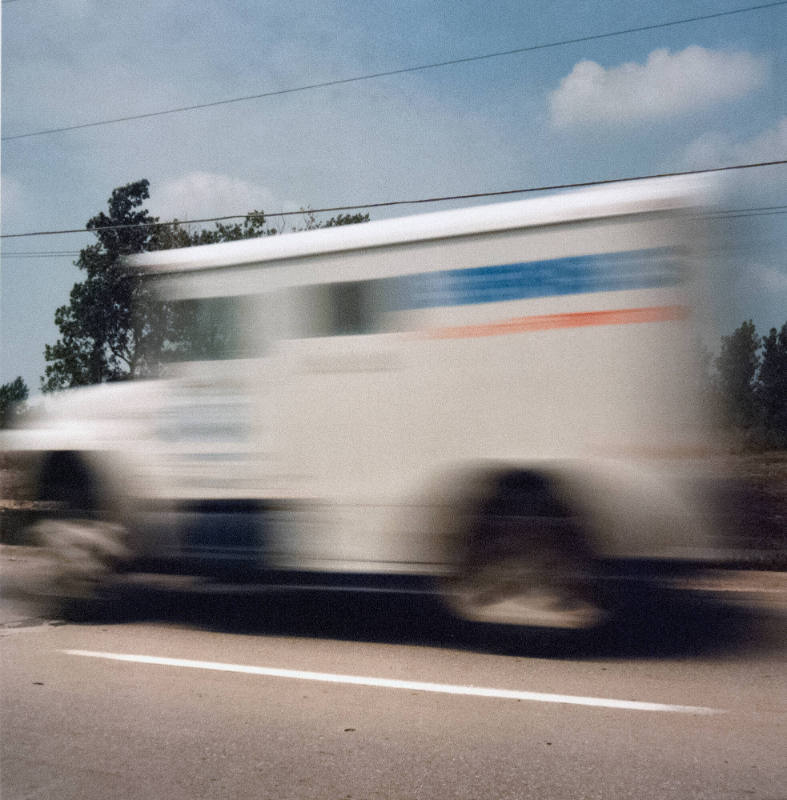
(75, 7)
(773, 279)
(668, 84)
(714, 148)
(198, 195)
(758, 292)
(18, 207)
(12, 194)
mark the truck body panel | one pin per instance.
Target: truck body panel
(348, 390)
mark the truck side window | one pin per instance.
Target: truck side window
(347, 308)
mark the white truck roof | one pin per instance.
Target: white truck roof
(662, 194)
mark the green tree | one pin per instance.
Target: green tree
(12, 400)
(100, 336)
(175, 234)
(114, 328)
(737, 367)
(771, 390)
(310, 221)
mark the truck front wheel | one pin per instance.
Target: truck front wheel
(82, 543)
(82, 555)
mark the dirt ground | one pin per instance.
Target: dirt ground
(762, 506)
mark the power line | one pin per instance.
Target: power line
(749, 212)
(402, 71)
(757, 208)
(38, 253)
(418, 201)
(730, 213)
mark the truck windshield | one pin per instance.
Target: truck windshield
(205, 329)
(208, 329)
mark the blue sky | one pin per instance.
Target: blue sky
(697, 95)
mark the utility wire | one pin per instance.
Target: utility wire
(748, 212)
(419, 201)
(38, 253)
(402, 71)
(730, 213)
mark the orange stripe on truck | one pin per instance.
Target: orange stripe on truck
(545, 322)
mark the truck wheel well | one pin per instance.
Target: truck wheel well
(529, 492)
(537, 490)
(66, 478)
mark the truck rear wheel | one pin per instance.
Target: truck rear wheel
(524, 561)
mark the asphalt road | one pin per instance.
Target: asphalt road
(327, 696)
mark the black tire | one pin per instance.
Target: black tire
(81, 544)
(82, 554)
(524, 561)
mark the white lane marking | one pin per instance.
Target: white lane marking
(388, 683)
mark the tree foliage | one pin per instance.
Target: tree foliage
(751, 379)
(12, 400)
(176, 234)
(113, 327)
(737, 368)
(100, 336)
(771, 391)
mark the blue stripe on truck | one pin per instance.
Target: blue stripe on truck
(601, 272)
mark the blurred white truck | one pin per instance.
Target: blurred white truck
(502, 400)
